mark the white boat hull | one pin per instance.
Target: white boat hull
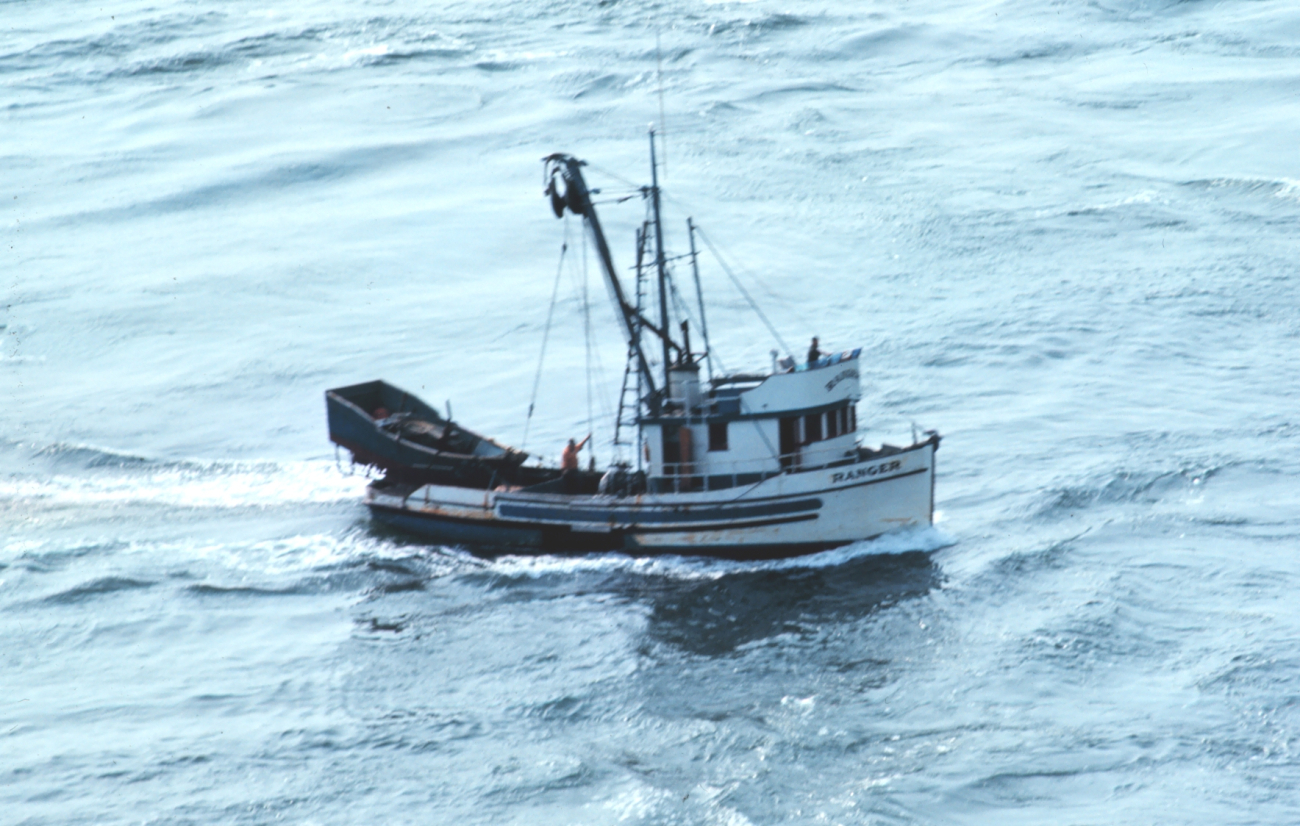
(802, 511)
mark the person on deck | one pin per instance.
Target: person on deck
(569, 458)
(814, 352)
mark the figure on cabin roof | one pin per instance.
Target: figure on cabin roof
(813, 352)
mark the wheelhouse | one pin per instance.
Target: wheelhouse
(739, 430)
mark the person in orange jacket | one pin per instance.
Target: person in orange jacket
(569, 458)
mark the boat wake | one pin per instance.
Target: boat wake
(923, 540)
(64, 475)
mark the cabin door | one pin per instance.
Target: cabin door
(672, 451)
(788, 441)
(679, 452)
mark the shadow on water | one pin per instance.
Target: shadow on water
(716, 616)
(703, 607)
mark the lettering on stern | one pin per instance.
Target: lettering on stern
(865, 472)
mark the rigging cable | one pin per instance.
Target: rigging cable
(601, 385)
(781, 300)
(595, 368)
(709, 243)
(546, 334)
(586, 334)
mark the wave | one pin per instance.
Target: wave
(1121, 487)
(97, 587)
(157, 47)
(203, 589)
(1287, 189)
(88, 458)
(207, 569)
(1145, 208)
(1270, 671)
(1144, 9)
(184, 63)
(882, 41)
(63, 474)
(759, 25)
(272, 178)
(1061, 50)
(46, 556)
(800, 89)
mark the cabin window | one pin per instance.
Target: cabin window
(853, 418)
(832, 424)
(812, 428)
(717, 436)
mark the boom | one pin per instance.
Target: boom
(577, 198)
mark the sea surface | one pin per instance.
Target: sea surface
(1063, 233)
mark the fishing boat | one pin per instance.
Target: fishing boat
(744, 465)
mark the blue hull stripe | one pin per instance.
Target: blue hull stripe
(684, 516)
(721, 526)
(454, 528)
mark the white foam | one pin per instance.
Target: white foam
(299, 553)
(1289, 189)
(679, 567)
(215, 485)
(372, 51)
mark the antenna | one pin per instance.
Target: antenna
(659, 81)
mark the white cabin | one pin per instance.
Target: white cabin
(742, 429)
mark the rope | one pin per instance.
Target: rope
(744, 292)
(537, 379)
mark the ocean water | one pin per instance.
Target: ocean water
(1064, 234)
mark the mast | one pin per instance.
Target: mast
(699, 297)
(659, 258)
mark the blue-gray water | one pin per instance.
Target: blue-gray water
(1063, 233)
